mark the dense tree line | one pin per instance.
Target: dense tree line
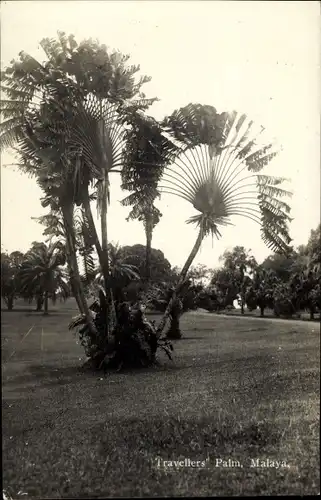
(287, 284)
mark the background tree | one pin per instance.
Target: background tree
(261, 292)
(240, 261)
(314, 249)
(10, 283)
(42, 272)
(160, 267)
(226, 286)
(281, 264)
(199, 274)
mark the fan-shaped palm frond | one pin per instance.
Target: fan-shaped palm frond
(216, 171)
(219, 185)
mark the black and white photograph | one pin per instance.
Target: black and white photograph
(160, 248)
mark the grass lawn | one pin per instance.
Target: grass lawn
(238, 389)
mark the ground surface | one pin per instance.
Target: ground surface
(238, 389)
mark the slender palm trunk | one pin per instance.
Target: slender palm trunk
(149, 236)
(92, 227)
(73, 281)
(46, 301)
(104, 235)
(67, 210)
(104, 262)
(39, 303)
(181, 279)
(10, 303)
(104, 205)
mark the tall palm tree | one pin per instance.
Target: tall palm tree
(42, 272)
(39, 101)
(145, 211)
(72, 98)
(216, 171)
(147, 152)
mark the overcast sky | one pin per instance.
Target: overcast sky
(261, 58)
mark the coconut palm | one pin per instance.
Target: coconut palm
(217, 171)
(42, 271)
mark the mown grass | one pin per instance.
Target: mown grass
(238, 389)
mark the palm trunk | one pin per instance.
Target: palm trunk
(104, 262)
(181, 280)
(149, 236)
(10, 303)
(104, 203)
(74, 270)
(67, 213)
(104, 235)
(46, 304)
(39, 303)
(92, 227)
(73, 281)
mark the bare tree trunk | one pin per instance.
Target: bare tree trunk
(242, 290)
(74, 270)
(181, 280)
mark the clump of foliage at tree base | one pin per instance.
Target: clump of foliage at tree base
(133, 341)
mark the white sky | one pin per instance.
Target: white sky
(261, 58)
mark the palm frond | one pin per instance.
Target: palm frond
(222, 181)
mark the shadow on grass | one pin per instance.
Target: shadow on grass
(20, 310)
(51, 375)
(33, 312)
(187, 337)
